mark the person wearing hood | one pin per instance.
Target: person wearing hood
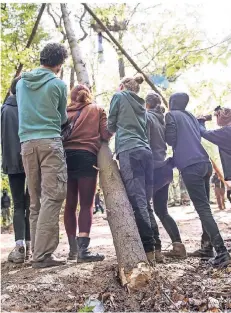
(82, 147)
(13, 167)
(162, 177)
(128, 119)
(183, 134)
(42, 98)
(222, 138)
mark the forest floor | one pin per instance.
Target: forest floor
(185, 285)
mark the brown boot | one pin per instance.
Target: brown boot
(49, 262)
(159, 257)
(178, 251)
(151, 257)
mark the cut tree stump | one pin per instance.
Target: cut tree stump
(134, 270)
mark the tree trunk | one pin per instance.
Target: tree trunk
(29, 42)
(72, 77)
(61, 73)
(79, 64)
(134, 270)
(120, 58)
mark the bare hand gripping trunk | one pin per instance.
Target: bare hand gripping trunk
(134, 270)
(79, 64)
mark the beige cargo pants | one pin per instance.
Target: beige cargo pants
(45, 167)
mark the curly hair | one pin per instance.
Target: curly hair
(53, 54)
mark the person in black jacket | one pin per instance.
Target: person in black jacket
(13, 167)
(184, 135)
(5, 206)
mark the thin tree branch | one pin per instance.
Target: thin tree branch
(85, 34)
(57, 25)
(133, 12)
(125, 53)
(30, 40)
(210, 47)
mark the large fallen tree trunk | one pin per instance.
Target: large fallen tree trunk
(134, 270)
(133, 266)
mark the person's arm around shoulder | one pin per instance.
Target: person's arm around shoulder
(215, 136)
(170, 130)
(63, 102)
(104, 133)
(113, 113)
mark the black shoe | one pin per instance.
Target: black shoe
(221, 260)
(204, 253)
(73, 248)
(84, 255)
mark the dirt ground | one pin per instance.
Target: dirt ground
(184, 285)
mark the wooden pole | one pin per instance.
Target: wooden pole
(124, 52)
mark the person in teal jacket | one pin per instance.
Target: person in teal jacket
(128, 119)
(42, 98)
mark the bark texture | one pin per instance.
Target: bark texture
(134, 270)
(79, 64)
(72, 78)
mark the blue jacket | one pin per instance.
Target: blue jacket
(222, 138)
(183, 133)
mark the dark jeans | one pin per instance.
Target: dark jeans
(160, 203)
(197, 179)
(136, 168)
(21, 201)
(98, 207)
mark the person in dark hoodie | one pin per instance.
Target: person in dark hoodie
(42, 99)
(162, 177)
(183, 134)
(222, 138)
(128, 119)
(13, 167)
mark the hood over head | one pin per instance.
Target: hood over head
(80, 97)
(178, 101)
(37, 78)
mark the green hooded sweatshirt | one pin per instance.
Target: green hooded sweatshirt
(127, 118)
(42, 99)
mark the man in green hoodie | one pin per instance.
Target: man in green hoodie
(127, 118)
(41, 98)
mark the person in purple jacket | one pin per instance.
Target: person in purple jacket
(183, 134)
(222, 138)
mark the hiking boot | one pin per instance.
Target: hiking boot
(73, 248)
(221, 260)
(84, 255)
(17, 255)
(151, 258)
(178, 251)
(204, 253)
(49, 262)
(159, 257)
(28, 251)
